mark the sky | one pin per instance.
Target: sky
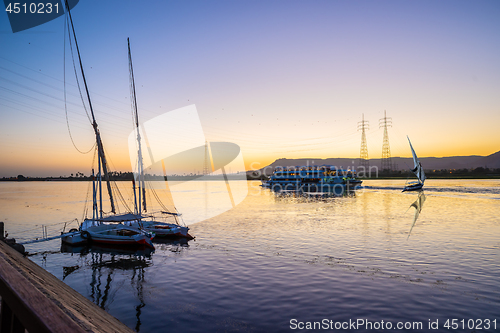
(281, 79)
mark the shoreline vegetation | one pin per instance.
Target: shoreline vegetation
(477, 173)
(452, 167)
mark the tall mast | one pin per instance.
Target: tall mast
(140, 167)
(100, 148)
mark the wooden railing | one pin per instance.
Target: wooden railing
(36, 301)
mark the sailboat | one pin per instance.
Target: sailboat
(149, 223)
(418, 171)
(109, 230)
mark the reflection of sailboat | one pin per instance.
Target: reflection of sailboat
(418, 204)
(150, 223)
(140, 251)
(418, 171)
(100, 229)
(104, 262)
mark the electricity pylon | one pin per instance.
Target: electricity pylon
(206, 162)
(363, 155)
(386, 162)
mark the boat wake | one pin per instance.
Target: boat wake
(478, 192)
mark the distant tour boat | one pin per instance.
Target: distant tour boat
(418, 170)
(323, 178)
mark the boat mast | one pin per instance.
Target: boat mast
(94, 199)
(140, 167)
(100, 148)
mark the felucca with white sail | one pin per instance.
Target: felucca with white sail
(418, 170)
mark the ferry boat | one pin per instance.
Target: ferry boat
(323, 178)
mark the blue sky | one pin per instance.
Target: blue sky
(279, 78)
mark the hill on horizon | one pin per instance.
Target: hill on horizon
(400, 163)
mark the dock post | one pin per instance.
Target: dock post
(2, 233)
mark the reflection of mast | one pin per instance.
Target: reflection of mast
(418, 204)
(140, 295)
(206, 163)
(95, 283)
(135, 261)
(107, 287)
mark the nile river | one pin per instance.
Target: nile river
(280, 263)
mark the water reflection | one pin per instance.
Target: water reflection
(418, 205)
(309, 261)
(139, 251)
(104, 261)
(311, 196)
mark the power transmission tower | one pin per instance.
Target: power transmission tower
(363, 155)
(386, 149)
(206, 162)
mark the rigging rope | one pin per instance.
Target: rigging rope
(37, 226)
(120, 196)
(157, 197)
(115, 188)
(66, 25)
(87, 196)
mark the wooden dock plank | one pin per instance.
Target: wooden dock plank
(58, 307)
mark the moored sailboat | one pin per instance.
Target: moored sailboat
(102, 229)
(418, 170)
(149, 223)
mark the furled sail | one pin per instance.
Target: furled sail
(417, 167)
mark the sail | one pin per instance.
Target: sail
(422, 174)
(417, 167)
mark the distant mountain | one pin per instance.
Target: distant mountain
(491, 161)
(400, 163)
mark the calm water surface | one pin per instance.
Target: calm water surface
(276, 258)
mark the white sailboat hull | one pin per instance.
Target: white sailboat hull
(109, 234)
(163, 229)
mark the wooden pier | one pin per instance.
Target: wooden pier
(36, 301)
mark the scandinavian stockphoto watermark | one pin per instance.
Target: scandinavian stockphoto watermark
(175, 141)
(365, 324)
(356, 324)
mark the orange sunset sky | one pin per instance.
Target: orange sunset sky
(280, 79)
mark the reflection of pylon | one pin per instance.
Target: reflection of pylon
(206, 162)
(386, 149)
(363, 155)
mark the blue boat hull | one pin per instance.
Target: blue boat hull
(413, 187)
